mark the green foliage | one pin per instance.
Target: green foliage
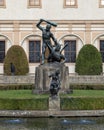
(89, 61)
(82, 103)
(83, 100)
(22, 100)
(24, 104)
(87, 93)
(16, 86)
(20, 94)
(17, 56)
(87, 86)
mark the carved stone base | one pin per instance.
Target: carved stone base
(54, 104)
(42, 80)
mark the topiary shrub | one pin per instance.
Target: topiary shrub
(89, 61)
(17, 56)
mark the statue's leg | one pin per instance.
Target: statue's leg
(42, 58)
(43, 53)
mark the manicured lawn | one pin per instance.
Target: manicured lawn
(89, 93)
(22, 100)
(20, 94)
(83, 100)
(27, 94)
(25, 100)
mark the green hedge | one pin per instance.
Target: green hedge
(18, 57)
(82, 103)
(16, 86)
(87, 86)
(89, 61)
(72, 103)
(24, 104)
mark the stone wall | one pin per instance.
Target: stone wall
(17, 79)
(86, 79)
(30, 79)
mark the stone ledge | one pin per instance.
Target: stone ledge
(30, 79)
(25, 113)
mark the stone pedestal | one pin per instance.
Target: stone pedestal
(54, 104)
(42, 80)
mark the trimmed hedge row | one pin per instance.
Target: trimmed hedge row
(87, 86)
(24, 104)
(72, 103)
(16, 86)
(31, 86)
(82, 103)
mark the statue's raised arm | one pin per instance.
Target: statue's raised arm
(38, 24)
(48, 22)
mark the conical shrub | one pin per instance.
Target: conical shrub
(17, 56)
(89, 61)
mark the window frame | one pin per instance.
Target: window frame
(100, 49)
(100, 5)
(71, 50)
(34, 6)
(3, 5)
(34, 50)
(70, 6)
(2, 60)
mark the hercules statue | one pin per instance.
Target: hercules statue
(46, 36)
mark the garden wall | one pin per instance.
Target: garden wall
(17, 79)
(98, 79)
(30, 79)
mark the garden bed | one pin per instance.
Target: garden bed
(83, 100)
(22, 100)
(25, 100)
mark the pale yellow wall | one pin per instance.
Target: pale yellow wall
(53, 10)
(20, 32)
(84, 23)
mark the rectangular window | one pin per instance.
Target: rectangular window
(70, 3)
(34, 51)
(70, 51)
(2, 51)
(102, 49)
(101, 3)
(2, 3)
(34, 3)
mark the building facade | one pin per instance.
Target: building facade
(79, 22)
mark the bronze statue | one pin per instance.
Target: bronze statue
(56, 53)
(55, 83)
(55, 56)
(46, 36)
(12, 68)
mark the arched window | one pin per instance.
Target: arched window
(102, 49)
(70, 51)
(34, 51)
(2, 51)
